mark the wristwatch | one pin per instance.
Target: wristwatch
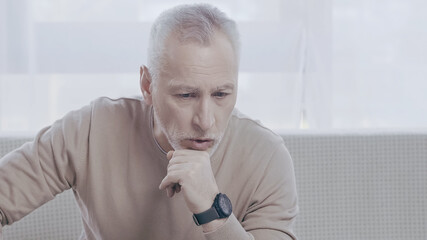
(221, 208)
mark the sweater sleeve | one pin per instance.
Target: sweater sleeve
(231, 229)
(273, 208)
(33, 174)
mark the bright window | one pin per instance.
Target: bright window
(316, 64)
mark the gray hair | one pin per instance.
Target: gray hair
(192, 23)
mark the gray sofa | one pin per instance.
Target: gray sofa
(368, 185)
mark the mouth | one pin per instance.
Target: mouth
(201, 144)
(201, 140)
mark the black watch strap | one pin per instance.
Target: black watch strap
(221, 208)
(206, 216)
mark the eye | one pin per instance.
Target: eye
(220, 94)
(186, 95)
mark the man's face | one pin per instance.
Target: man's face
(195, 95)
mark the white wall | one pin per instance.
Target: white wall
(317, 64)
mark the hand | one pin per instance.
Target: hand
(190, 171)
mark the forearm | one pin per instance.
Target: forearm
(34, 173)
(231, 229)
(214, 225)
(22, 184)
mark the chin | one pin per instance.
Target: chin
(209, 150)
(185, 144)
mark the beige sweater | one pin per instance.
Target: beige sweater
(107, 154)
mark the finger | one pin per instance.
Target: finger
(179, 167)
(176, 160)
(186, 152)
(177, 188)
(170, 191)
(170, 155)
(187, 155)
(171, 178)
(184, 159)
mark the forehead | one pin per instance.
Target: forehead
(193, 63)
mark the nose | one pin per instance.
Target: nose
(204, 115)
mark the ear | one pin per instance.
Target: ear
(145, 82)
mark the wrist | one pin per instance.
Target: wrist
(214, 225)
(205, 205)
(221, 209)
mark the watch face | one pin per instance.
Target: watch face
(224, 205)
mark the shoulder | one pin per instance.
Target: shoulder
(252, 146)
(252, 133)
(256, 152)
(106, 115)
(106, 103)
(118, 108)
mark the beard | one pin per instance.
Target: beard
(175, 136)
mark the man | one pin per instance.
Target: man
(225, 176)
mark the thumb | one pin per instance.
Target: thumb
(170, 154)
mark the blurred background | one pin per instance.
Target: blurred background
(305, 64)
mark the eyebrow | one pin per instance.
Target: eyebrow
(225, 87)
(188, 88)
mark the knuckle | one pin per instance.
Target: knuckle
(206, 154)
(197, 167)
(172, 175)
(191, 173)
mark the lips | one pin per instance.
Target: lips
(200, 144)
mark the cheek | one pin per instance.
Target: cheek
(181, 117)
(163, 109)
(172, 114)
(223, 114)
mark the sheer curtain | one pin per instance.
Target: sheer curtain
(317, 64)
(380, 64)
